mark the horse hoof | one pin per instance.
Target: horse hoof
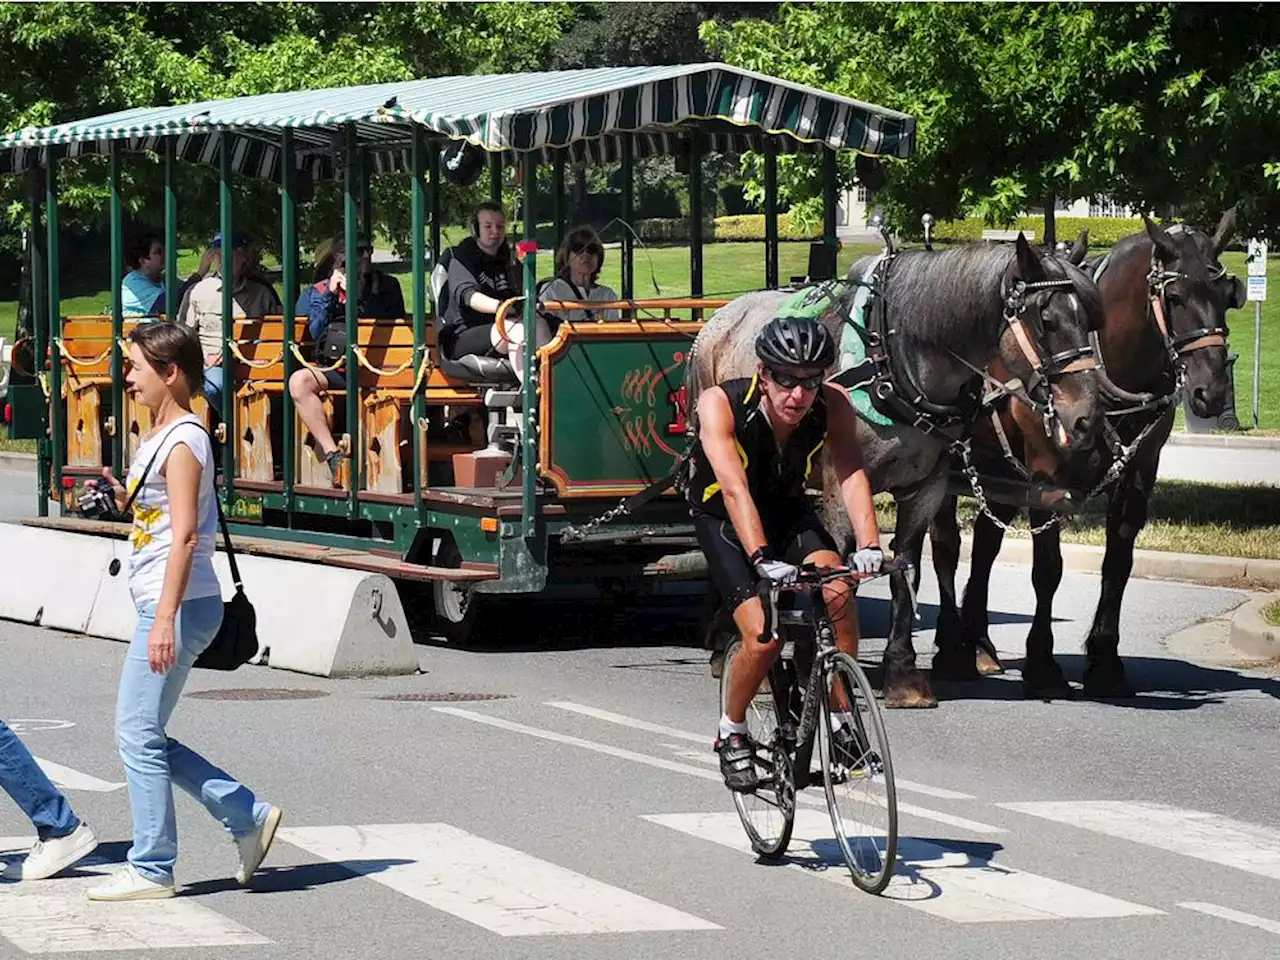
(909, 691)
(955, 666)
(1107, 683)
(717, 663)
(988, 665)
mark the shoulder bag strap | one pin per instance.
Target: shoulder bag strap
(128, 504)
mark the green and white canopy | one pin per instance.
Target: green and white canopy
(586, 112)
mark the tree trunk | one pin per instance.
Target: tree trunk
(1050, 221)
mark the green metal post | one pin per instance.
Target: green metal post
(495, 178)
(695, 215)
(528, 496)
(366, 195)
(628, 216)
(433, 170)
(117, 309)
(39, 326)
(351, 160)
(289, 269)
(829, 186)
(419, 411)
(770, 215)
(170, 230)
(57, 413)
(558, 196)
(227, 271)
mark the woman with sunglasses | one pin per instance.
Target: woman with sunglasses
(578, 264)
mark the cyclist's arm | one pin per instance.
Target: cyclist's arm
(851, 472)
(715, 431)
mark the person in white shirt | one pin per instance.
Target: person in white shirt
(179, 603)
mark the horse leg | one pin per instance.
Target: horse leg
(955, 659)
(974, 625)
(904, 685)
(1104, 676)
(1042, 677)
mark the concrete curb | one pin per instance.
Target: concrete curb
(1223, 440)
(12, 460)
(1251, 634)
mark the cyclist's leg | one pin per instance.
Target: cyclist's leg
(811, 543)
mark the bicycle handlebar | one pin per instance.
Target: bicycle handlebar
(811, 575)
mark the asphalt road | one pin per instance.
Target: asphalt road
(1220, 464)
(580, 815)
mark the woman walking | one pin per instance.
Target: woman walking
(179, 603)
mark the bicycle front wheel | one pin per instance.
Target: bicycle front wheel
(768, 813)
(857, 773)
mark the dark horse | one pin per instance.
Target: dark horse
(1166, 297)
(946, 314)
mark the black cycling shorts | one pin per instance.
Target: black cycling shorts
(731, 571)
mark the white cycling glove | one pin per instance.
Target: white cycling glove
(867, 560)
(778, 571)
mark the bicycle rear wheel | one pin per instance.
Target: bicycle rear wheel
(861, 797)
(768, 813)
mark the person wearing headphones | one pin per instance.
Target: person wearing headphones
(481, 276)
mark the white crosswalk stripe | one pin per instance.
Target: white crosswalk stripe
(1191, 833)
(493, 886)
(943, 880)
(1235, 916)
(56, 916)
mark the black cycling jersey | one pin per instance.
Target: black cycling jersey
(776, 478)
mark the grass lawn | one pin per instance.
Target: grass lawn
(10, 446)
(1271, 613)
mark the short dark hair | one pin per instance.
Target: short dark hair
(140, 248)
(487, 206)
(167, 344)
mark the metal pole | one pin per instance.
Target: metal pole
(528, 440)
(366, 196)
(433, 170)
(39, 328)
(289, 269)
(351, 160)
(695, 216)
(558, 197)
(226, 270)
(628, 216)
(771, 215)
(170, 231)
(419, 411)
(829, 184)
(57, 413)
(1257, 358)
(495, 178)
(117, 309)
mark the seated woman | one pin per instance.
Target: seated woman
(578, 264)
(379, 298)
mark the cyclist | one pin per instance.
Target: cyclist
(759, 440)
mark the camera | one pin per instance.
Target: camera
(98, 502)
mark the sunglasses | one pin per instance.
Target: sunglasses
(586, 248)
(788, 382)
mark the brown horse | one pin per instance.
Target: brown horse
(1166, 297)
(947, 313)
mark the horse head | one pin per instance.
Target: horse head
(1190, 294)
(1051, 309)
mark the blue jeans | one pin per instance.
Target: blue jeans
(23, 780)
(213, 381)
(154, 762)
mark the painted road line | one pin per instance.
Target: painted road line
(625, 721)
(58, 917)
(974, 826)
(499, 888)
(71, 779)
(948, 881)
(1236, 916)
(1192, 833)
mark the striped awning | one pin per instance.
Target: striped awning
(587, 113)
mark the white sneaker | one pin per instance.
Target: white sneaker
(128, 884)
(253, 847)
(50, 857)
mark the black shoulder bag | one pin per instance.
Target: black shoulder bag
(236, 642)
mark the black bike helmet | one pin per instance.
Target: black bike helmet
(795, 342)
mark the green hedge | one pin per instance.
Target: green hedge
(1103, 231)
(742, 228)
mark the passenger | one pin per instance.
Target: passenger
(202, 308)
(61, 837)
(208, 264)
(379, 298)
(178, 598)
(578, 264)
(481, 276)
(143, 286)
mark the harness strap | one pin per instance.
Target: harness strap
(1003, 437)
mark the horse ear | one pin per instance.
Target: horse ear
(1226, 230)
(1030, 268)
(1080, 249)
(1160, 237)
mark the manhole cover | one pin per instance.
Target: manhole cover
(258, 693)
(448, 697)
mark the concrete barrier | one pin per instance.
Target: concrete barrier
(314, 619)
(1253, 635)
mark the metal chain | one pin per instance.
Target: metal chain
(980, 495)
(1121, 462)
(570, 532)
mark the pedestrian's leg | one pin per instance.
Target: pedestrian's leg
(22, 778)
